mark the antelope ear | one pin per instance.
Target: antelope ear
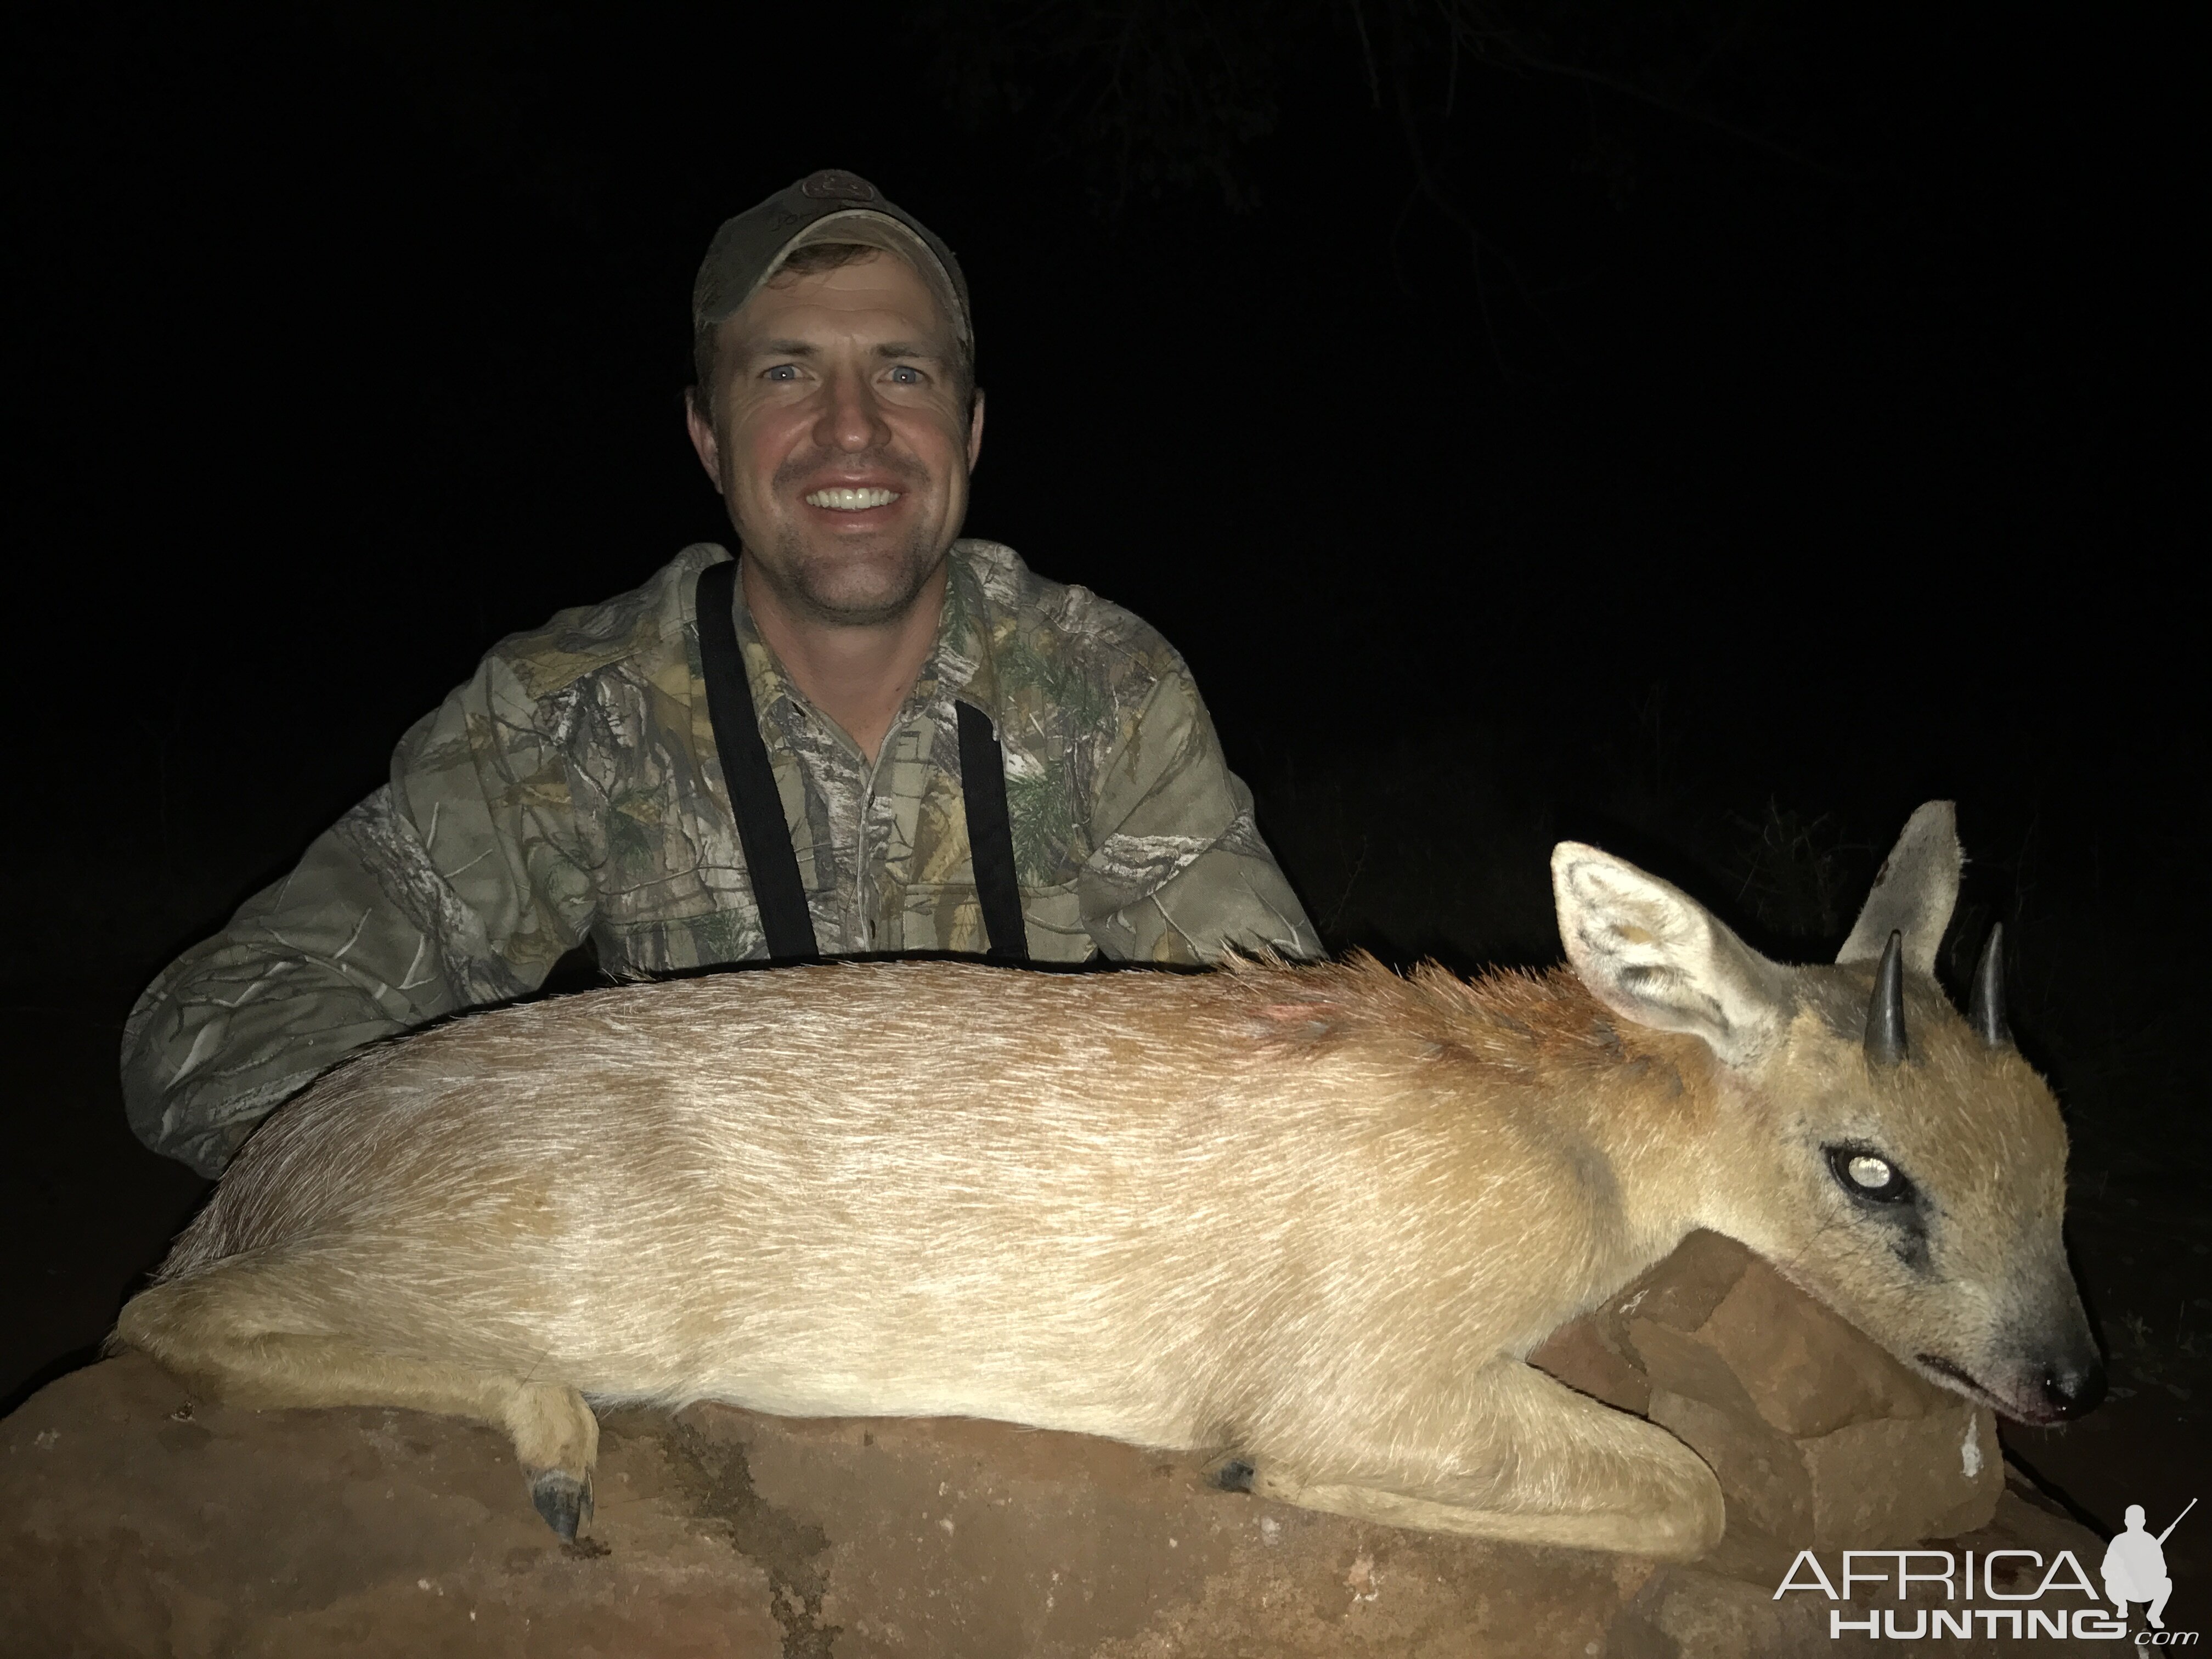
(1915, 892)
(1656, 957)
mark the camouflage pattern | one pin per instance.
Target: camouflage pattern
(572, 789)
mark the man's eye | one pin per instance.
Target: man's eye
(903, 374)
(784, 372)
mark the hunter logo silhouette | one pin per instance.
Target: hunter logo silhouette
(2135, 1566)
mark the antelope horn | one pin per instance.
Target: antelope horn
(1985, 1006)
(1885, 1031)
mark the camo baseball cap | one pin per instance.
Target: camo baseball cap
(829, 206)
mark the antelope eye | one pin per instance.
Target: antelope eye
(1867, 1174)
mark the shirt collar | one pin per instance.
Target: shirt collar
(959, 665)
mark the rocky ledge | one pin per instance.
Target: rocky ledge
(137, 1520)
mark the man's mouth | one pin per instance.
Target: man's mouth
(846, 499)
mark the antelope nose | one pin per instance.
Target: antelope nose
(2073, 1387)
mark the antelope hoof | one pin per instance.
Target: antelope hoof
(563, 1500)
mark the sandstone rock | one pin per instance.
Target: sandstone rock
(1682, 1292)
(1688, 1613)
(1891, 1482)
(1819, 1437)
(1680, 1362)
(135, 1520)
(1764, 1478)
(1808, 1372)
(138, 1521)
(1592, 1356)
(972, 1538)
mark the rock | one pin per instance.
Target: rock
(1808, 1372)
(972, 1538)
(1879, 1485)
(137, 1520)
(1820, 1439)
(1597, 1358)
(1768, 1489)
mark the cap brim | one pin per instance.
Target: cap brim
(873, 229)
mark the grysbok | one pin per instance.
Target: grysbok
(1310, 1217)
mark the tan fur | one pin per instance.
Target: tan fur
(1311, 1215)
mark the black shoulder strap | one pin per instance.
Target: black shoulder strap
(769, 861)
(990, 835)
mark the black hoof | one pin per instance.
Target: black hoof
(1235, 1475)
(563, 1500)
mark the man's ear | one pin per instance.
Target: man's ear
(974, 427)
(704, 442)
(1655, 956)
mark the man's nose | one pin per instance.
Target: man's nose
(852, 420)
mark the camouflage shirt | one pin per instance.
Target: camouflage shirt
(572, 789)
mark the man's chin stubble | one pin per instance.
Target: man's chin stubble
(811, 585)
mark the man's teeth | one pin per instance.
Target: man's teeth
(842, 499)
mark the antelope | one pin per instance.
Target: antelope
(1311, 1217)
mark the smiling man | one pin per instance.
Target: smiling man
(864, 734)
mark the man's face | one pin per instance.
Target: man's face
(841, 439)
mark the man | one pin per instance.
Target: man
(865, 736)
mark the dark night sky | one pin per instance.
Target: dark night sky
(1775, 496)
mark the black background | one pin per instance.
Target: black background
(1757, 469)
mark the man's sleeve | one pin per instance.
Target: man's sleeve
(1179, 873)
(453, 886)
